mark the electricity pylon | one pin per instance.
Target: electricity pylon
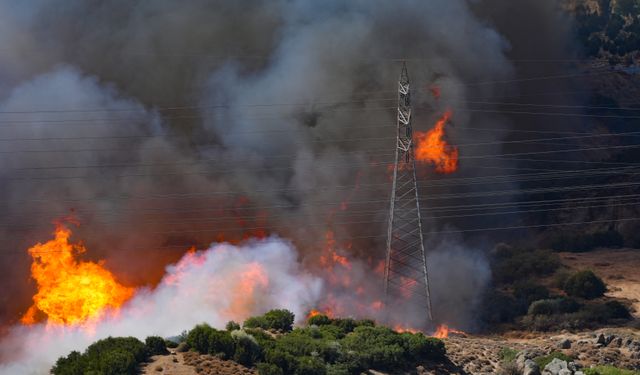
(406, 263)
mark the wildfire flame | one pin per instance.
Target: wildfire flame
(314, 312)
(431, 147)
(70, 291)
(443, 331)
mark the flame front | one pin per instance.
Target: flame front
(70, 291)
(443, 331)
(431, 147)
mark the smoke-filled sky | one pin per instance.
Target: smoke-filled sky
(164, 125)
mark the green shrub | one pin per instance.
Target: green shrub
(155, 345)
(198, 338)
(609, 370)
(117, 362)
(545, 360)
(264, 339)
(310, 366)
(584, 284)
(73, 364)
(365, 323)
(418, 347)
(553, 306)
(301, 342)
(313, 350)
(507, 355)
(221, 343)
(256, 322)
(170, 344)
(383, 349)
(617, 310)
(281, 320)
(232, 326)
(512, 264)
(346, 325)
(319, 320)
(604, 312)
(281, 358)
(268, 369)
(110, 356)
(338, 369)
(247, 350)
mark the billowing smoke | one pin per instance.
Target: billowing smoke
(217, 285)
(459, 274)
(162, 125)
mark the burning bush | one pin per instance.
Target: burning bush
(585, 284)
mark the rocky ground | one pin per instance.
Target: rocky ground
(469, 355)
(481, 355)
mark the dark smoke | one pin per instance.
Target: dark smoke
(248, 115)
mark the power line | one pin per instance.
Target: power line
(471, 230)
(14, 178)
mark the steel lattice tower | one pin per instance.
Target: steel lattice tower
(406, 262)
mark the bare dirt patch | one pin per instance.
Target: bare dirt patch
(173, 364)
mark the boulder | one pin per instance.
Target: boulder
(524, 355)
(530, 368)
(564, 344)
(554, 367)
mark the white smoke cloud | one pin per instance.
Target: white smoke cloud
(223, 283)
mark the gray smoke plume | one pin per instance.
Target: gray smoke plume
(198, 121)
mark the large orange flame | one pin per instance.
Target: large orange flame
(431, 147)
(70, 291)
